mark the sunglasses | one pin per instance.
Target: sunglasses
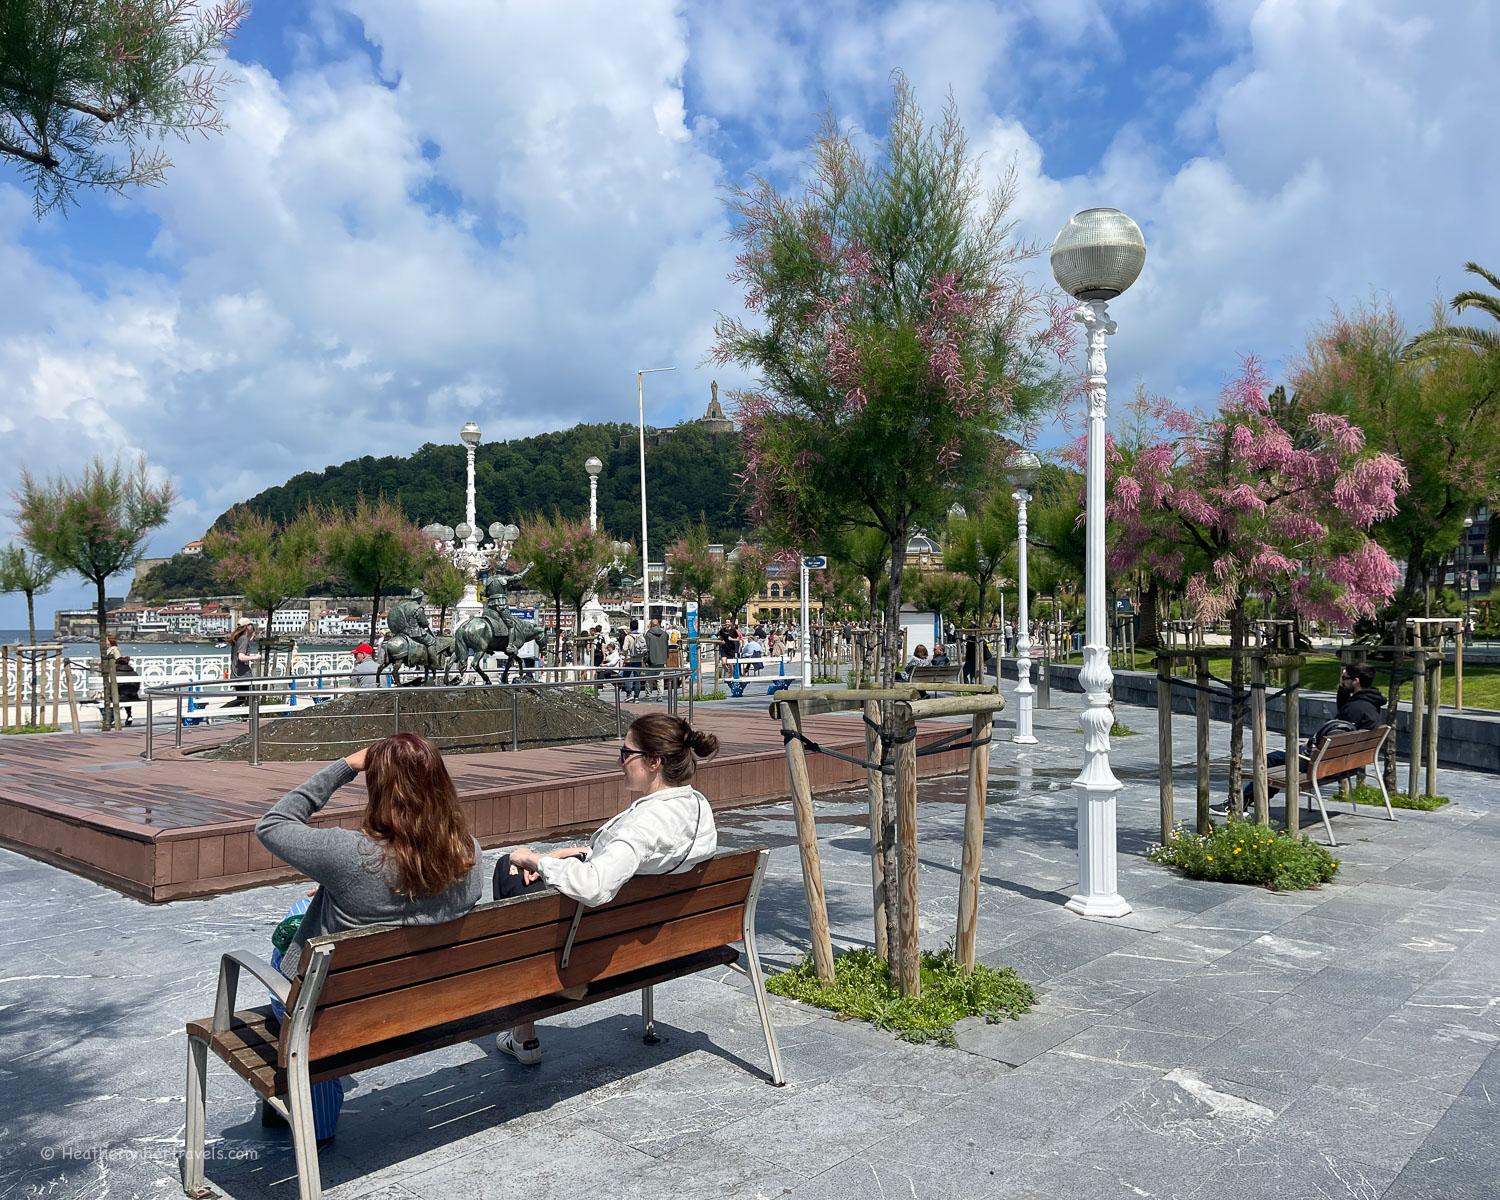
(626, 752)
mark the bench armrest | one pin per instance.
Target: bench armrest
(229, 979)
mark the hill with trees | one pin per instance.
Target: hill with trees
(689, 473)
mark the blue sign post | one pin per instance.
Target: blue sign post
(692, 632)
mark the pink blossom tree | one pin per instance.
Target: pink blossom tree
(890, 336)
(1257, 497)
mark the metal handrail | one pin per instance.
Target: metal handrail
(255, 688)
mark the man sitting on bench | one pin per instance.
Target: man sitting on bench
(1361, 706)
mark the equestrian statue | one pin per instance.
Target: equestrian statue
(494, 631)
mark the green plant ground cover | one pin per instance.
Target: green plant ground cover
(1370, 794)
(863, 990)
(30, 729)
(1244, 852)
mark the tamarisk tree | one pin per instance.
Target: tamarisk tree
(890, 335)
(86, 85)
(1259, 496)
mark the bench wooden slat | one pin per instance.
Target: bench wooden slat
(442, 961)
(250, 1048)
(377, 943)
(342, 1027)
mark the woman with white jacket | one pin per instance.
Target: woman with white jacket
(670, 829)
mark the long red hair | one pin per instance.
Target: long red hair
(413, 813)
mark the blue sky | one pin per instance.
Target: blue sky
(430, 211)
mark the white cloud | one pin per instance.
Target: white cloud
(516, 206)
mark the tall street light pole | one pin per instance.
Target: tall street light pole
(1097, 255)
(1022, 472)
(593, 466)
(640, 399)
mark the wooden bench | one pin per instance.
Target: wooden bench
(952, 673)
(1338, 756)
(379, 995)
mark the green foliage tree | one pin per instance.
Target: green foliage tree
(266, 564)
(867, 552)
(892, 335)
(376, 548)
(742, 582)
(1443, 337)
(96, 526)
(443, 584)
(27, 573)
(86, 85)
(595, 554)
(975, 547)
(179, 577)
(567, 560)
(943, 592)
(1434, 404)
(692, 569)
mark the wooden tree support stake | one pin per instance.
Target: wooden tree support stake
(1164, 743)
(1293, 724)
(877, 810)
(1418, 706)
(968, 879)
(1201, 700)
(807, 845)
(1258, 731)
(909, 961)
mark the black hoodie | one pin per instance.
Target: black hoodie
(1364, 710)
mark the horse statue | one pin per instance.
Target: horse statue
(400, 651)
(494, 631)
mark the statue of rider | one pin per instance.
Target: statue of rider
(408, 618)
(496, 598)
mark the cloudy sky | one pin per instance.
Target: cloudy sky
(430, 211)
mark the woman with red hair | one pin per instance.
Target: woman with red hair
(413, 861)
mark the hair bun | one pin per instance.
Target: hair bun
(704, 744)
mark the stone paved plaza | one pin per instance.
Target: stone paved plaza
(1221, 1042)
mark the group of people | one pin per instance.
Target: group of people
(758, 642)
(634, 658)
(415, 861)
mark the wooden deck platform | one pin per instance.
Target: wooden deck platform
(181, 826)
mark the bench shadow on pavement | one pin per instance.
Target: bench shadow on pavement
(385, 1125)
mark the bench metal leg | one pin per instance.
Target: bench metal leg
(192, 1151)
(758, 988)
(304, 1132)
(1380, 779)
(1318, 795)
(648, 1017)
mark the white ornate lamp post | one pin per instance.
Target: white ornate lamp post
(1098, 254)
(640, 400)
(593, 466)
(469, 555)
(1022, 471)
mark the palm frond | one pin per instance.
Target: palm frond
(1474, 268)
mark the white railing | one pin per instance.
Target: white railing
(157, 669)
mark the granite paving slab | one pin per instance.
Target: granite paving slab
(1219, 1042)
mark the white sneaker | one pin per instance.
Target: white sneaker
(529, 1053)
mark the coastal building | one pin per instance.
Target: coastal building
(193, 547)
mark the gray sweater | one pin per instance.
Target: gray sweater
(355, 886)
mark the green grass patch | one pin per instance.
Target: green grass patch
(716, 694)
(1369, 794)
(1244, 852)
(30, 729)
(863, 990)
(832, 679)
(1120, 730)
